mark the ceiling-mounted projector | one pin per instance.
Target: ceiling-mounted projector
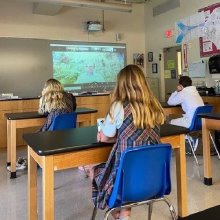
(94, 26)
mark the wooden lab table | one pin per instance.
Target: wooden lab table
(85, 117)
(171, 109)
(58, 150)
(210, 121)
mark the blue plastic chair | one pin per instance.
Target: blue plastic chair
(64, 121)
(143, 177)
(196, 125)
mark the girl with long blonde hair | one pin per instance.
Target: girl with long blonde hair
(134, 119)
(55, 101)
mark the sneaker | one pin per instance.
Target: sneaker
(21, 164)
(21, 160)
(18, 167)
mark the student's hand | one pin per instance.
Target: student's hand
(102, 138)
(179, 88)
(99, 136)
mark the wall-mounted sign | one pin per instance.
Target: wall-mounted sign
(170, 64)
(210, 42)
(167, 74)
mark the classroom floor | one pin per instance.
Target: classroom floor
(73, 193)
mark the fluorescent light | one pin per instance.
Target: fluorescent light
(89, 4)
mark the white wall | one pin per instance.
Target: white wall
(17, 20)
(155, 28)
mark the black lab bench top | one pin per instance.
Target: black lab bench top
(165, 105)
(214, 115)
(29, 115)
(54, 142)
(212, 213)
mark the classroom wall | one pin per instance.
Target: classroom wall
(155, 39)
(17, 20)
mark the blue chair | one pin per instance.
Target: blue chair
(196, 125)
(64, 121)
(143, 177)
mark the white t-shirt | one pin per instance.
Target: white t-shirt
(110, 126)
(189, 99)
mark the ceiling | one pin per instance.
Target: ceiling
(53, 7)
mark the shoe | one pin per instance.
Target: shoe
(18, 167)
(21, 160)
(21, 164)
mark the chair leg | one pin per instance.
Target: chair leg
(94, 213)
(214, 145)
(191, 146)
(171, 208)
(150, 209)
(108, 213)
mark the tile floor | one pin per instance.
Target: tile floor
(73, 193)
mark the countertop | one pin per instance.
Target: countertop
(76, 95)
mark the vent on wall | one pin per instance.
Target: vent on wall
(165, 7)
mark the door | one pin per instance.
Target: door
(172, 68)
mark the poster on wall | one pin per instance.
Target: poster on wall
(167, 74)
(170, 64)
(138, 59)
(210, 42)
(190, 28)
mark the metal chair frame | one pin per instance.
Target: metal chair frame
(118, 189)
(196, 125)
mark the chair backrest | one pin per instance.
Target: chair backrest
(64, 121)
(143, 173)
(196, 123)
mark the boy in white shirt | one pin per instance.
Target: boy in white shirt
(188, 97)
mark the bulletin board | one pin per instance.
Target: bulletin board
(210, 44)
(197, 69)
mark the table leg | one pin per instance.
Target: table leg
(12, 147)
(32, 187)
(181, 178)
(8, 142)
(206, 154)
(48, 188)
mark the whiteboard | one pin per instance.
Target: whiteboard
(197, 69)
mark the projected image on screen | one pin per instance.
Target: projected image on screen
(79, 64)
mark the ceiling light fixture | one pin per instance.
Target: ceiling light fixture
(89, 4)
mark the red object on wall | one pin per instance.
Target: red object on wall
(207, 47)
(169, 33)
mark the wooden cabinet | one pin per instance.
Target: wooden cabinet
(213, 100)
(101, 103)
(15, 106)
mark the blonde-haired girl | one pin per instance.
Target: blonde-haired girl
(55, 101)
(134, 119)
